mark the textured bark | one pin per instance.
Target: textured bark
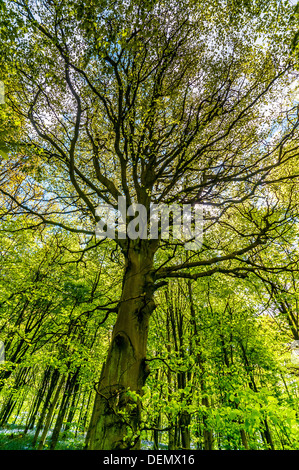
(115, 413)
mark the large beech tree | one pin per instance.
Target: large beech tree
(160, 102)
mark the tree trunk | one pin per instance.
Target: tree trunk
(244, 439)
(38, 401)
(116, 415)
(208, 440)
(12, 400)
(61, 413)
(84, 423)
(184, 422)
(267, 436)
(72, 409)
(52, 385)
(50, 413)
(156, 435)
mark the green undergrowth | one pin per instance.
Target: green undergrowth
(14, 438)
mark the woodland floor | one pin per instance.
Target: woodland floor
(12, 437)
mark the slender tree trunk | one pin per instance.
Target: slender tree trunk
(171, 438)
(18, 411)
(61, 413)
(38, 401)
(185, 420)
(176, 436)
(12, 401)
(72, 409)
(158, 421)
(52, 385)
(84, 420)
(125, 367)
(208, 440)
(244, 439)
(157, 433)
(50, 414)
(68, 392)
(266, 434)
